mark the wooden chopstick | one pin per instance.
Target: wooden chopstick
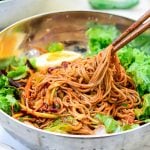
(142, 24)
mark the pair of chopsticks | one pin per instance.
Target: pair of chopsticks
(138, 27)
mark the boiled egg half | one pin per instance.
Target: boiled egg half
(55, 59)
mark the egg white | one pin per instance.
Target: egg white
(55, 59)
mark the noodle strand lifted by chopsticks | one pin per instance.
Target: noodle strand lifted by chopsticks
(82, 89)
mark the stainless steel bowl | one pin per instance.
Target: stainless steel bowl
(66, 26)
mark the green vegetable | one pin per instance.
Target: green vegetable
(137, 65)
(59, 126)
(111, 125)
(128, 126)
(142, 42)
(19, 73)
(5, 105)
(16, 68)
(100, 36)
(3, 81)
(63, 125)
(33, 62)
(7, 90)
(19, 61)
(7, 96)
(144, 112)
(113, 4)
(12, 61)
(4, 63)
(147, 120)
(55, 47)
(126, 56)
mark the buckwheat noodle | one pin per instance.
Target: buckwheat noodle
(80, 89)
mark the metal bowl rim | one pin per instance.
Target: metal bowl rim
(72, 135)
(57, 12)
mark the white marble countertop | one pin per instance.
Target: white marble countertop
(134, 13)
(5, 138)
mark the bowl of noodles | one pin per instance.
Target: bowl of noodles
(61, 89)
